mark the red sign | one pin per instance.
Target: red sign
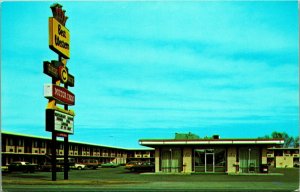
(60, 94)
(61, 135)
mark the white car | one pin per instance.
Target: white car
(79, 166)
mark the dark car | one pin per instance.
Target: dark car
(47, 166)
(131, 164)
(21, 166)
(142, 167)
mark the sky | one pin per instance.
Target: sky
(149, 69)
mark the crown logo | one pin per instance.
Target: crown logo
(59, 13)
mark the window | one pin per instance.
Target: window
(171, 160)
(21, 142)
(43, 144)
(35, 144)
(10, 142)
(249, 159)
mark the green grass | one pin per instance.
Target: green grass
(119, 178)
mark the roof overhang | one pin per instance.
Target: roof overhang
(209, 142)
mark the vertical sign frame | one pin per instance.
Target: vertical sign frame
(59, 121)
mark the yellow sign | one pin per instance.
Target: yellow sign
(59, 38)
(63, 74)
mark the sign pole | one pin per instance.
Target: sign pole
(66, 144)
(66, 152)
(53, 156)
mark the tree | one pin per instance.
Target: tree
(288, 140)
(296, 142)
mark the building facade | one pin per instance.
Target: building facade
(187, 153)
(19, 147)
(213, 155)
(283, 157)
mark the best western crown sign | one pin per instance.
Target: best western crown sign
(58, 120)
(59, 35)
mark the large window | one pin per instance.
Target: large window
(220, 160)
(249, 159)
(199, 160)
(171, 160)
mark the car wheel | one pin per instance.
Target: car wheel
(79, 168)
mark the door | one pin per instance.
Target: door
(209, 162)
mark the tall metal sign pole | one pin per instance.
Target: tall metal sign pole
(59, 121)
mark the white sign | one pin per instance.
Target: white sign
(63, 122)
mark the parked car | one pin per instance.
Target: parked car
(111, 164)
(22, 166)
(144, 166)
(47, 166)
(131, 164)
(79, 166)
(4, 169)
(61, 161)
(90, 163)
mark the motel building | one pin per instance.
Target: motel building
(37, 150)
(187, 153)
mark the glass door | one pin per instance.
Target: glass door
(209, 162)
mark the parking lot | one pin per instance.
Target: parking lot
(119, 179)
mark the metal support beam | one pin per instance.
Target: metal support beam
(66, 160)
(53, 149)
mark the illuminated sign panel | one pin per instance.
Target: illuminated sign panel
(59, 121)
(60, 94)
(59, 38)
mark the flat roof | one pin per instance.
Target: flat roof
(286, 148)
(153, 142)
(76, 142)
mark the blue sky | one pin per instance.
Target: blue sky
(150, 69)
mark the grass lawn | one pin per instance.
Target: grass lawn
(120, 179)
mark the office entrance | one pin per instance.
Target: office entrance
(209, 160)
